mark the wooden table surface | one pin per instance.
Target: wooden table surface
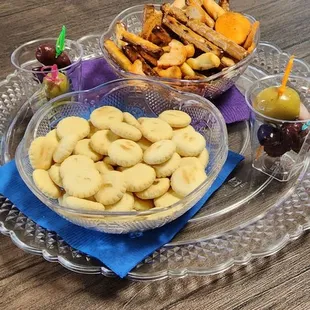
(29, 282)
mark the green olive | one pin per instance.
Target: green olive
(284, 107)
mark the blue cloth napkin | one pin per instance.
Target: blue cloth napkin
(120, 253)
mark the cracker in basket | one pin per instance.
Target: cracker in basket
(142, 205)
(92, 130)
(125, 153)
(83, 148)
(167, 168)
(121, 169)
(103, 168)
(144, 143)
(41, 153)
(187, 178)
(81, 204)
(54, 173)
(188, 128)
(189, 143)
(101, 141)
(191, 161)
(175, 118)
(52, 136)
(204, 157)
(105, 116)
(73, 125)
(155, 129)
(45, 184)
(159, 152)
(65, 148)
(126, 131)
(75, 162)
(109, 161)
(112, 189)
(125, 204)
(82, 182)
(131, 120)
(167, 199)
(157, 189)
(139, 177)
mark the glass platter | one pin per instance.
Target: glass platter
(250, 216)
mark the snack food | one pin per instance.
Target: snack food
(124, 175)
(191, 34)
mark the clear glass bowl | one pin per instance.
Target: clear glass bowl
(141, 98)
(210, 87)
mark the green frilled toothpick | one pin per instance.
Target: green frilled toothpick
(60, 43)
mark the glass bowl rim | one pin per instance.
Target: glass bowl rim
(19, 48)
(39, 115)
(208, 79)
(270, 77)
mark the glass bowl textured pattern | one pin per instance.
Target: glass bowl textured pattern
(140, 98)
(210, 87)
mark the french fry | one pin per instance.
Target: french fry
(133, 55)
(213, 9)
(136, 67)
(190, 36)
(174, 12)
(149, 9)
(173, 72)
(180, 4)
(119, 28)
(224, 4)
(252, 47)
(229, 46)
(176, 56)
(195, 11)
(190, 48)
(250, 39)
(147, 57)
(152, 21)
(203, 62)
(227, 62)
(146, 45)
(162, 34)
(187, 70)
(117, 55)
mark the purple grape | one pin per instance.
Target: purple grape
(264, 132)
(275, 145)
(294, 135)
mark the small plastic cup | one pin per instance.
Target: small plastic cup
(28, 70)
(279, 147)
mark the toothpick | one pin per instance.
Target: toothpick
(286, 76)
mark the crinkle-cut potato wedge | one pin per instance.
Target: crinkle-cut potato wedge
(203, 62)
(176, 57)
(179, 4)
(213, 9)
(149, 9)
(162, 35)
(117, 55)
(190, 49)
(147, 57)
(173, 72)
(233, 26)
(145, 44)
(190, 36)
(137, 67)
(224, 4)
(175, 12)
(153, 20)
(131, 52)
(187, 70)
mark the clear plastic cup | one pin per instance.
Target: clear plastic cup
(28, 70)
(279, 147)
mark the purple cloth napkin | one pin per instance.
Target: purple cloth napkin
(231, 104)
